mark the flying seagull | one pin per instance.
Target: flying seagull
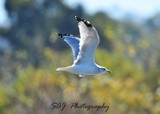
(83, 50)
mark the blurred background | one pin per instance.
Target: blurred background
(30, 52)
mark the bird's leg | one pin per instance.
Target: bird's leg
(81, 75)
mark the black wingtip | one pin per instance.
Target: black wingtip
(63, 34)
(87, 23)
(60, 35)
(78, 19)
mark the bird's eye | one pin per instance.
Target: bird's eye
(104, 69)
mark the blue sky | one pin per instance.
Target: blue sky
(119, 8)
(4, 20)
(116, 8)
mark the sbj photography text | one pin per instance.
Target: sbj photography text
(62, 105)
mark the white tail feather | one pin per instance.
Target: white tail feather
(60, 69)
(69, 69)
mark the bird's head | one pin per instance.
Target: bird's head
(103, 69)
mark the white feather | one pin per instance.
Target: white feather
(89, 40)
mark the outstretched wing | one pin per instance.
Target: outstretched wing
(73, 42)
(89, 40)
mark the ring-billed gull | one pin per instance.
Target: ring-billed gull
(83, 50)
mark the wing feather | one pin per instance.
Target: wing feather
(89, 40)
(73, 42)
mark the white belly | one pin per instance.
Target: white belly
(85, 69)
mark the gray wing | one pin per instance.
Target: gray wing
(73, 42)
(89, 40)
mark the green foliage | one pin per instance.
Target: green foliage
(125, 90)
